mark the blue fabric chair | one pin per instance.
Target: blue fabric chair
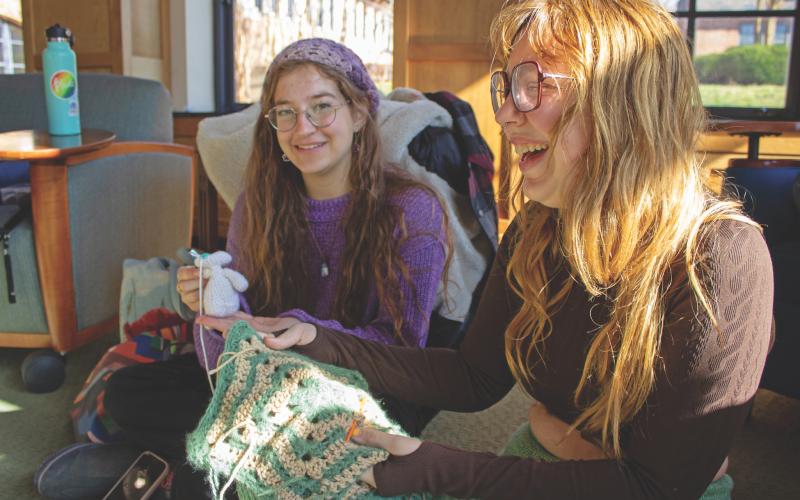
(134, 201)
(766, 188)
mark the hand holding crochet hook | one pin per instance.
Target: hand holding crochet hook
(398, 446)
(284, 333)
(278, 333)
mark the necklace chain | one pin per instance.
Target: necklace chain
(323, 269)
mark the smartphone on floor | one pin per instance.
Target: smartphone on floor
(141, 480)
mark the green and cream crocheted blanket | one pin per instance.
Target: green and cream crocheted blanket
(277, 422)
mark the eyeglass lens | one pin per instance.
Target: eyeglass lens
(498, 89)
(284, 118)
(525, 87)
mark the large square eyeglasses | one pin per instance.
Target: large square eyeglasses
(525, 86)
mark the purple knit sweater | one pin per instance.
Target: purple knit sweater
(423, 252)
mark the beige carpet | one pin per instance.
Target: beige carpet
(34, 425)
(486, 430)
(765, 461)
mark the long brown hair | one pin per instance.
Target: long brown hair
(638, 201)
(276, 230)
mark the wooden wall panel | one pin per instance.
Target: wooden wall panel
(129, 37)
(443, 45)
(146, 34)
(146, 40)
(96, 25)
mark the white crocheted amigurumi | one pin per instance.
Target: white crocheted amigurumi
(220, 297)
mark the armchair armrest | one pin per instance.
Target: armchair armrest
(131, 200)
(94, 209)
(137, 147)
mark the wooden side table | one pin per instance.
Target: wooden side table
(49, 157)
(754, 130)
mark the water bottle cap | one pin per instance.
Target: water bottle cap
(56, 32)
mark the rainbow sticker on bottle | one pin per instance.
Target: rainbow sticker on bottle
(62, 84)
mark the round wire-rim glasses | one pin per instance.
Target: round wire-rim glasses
(283, 118)
(525, 86)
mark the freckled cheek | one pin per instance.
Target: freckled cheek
(576, 143)
(543, 121)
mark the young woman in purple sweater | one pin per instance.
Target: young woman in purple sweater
(326, 234)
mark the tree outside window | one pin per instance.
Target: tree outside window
(259, 34)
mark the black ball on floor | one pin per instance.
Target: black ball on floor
(43, 371)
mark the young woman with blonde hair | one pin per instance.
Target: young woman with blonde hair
(632, 303)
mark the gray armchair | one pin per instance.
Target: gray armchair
(132, 199)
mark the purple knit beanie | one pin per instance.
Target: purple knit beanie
(333, 55)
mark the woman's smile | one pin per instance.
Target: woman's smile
(533, 156)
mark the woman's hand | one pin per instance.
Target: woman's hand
(188, 287)
(294, 332)
(394, 444)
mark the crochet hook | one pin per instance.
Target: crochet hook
(356, 421)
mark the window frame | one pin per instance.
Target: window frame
(224, 85)
(792, 110)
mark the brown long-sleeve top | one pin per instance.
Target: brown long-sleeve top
(672, 448)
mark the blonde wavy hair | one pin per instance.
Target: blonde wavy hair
(638, 200)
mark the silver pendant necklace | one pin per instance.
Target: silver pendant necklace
(323, 269)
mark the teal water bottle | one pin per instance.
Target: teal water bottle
(61, 82)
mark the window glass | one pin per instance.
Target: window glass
(259, 34)
(17, 52)
(674, 5)
(12, 55)
(783, 32)
(743, 62)
(747, 33)
(710, 5)
(683, 24)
